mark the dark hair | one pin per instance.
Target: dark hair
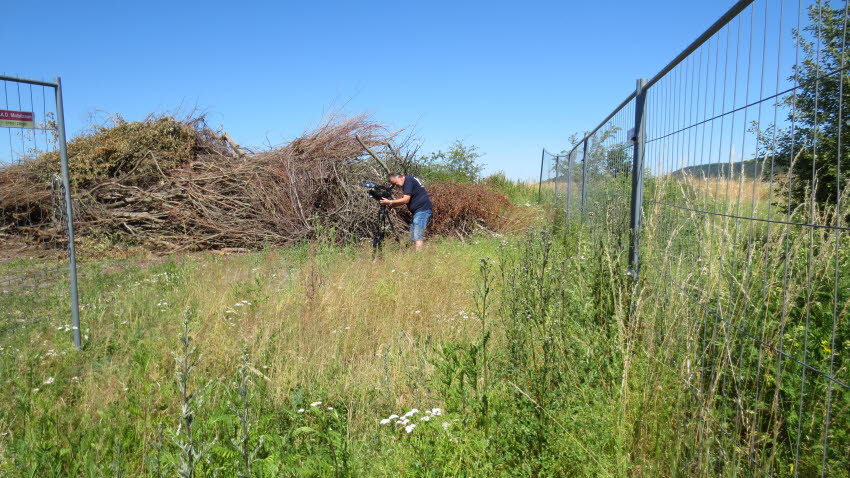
(395, 175)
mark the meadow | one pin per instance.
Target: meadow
(532, 354)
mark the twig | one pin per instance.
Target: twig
(371, 153)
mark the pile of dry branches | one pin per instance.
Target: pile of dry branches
(173, 185)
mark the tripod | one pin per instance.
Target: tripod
(378, 235)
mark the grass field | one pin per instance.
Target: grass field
(319, 319)
(528, 355)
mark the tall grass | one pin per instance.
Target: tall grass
(731, 308)
(323, 323)
(533, 355)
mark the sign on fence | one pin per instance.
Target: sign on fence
(16, 119)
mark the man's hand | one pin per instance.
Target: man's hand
(386, 201)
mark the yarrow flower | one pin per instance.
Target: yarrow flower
(300, 410)
(406, 421)
(49, 380)
(315, 404)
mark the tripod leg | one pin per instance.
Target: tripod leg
(378, 235)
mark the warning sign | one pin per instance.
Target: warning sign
(16, 119)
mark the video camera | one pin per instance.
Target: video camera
(378, 191)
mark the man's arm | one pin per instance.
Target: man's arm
(393, 202)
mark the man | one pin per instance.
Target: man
(418, 202)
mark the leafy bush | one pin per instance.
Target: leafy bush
(459, 164)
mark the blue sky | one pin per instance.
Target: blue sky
(509, 78)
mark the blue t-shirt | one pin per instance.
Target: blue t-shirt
(419, 200)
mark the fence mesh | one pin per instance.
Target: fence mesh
(33, 280)
(744, 220)
(607, 164)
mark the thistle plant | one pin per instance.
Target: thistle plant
(191, 449)
(482, 302)
(241, 406)
(156, 461)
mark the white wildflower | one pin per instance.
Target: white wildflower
(426, 418)
(300, 410)
(330, 408)
(35, 389)
(49, 380)
(385, 421)
(392, 416)
(437, 411)
(445, 425)
(315, 404)
(409, 428)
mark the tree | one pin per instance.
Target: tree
(459, 164)
(809, 150)
(607, 156)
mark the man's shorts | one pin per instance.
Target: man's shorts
(417, 227)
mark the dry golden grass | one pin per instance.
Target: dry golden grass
(332, 322)
(730, 189)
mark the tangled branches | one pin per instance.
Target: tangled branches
(172, 185)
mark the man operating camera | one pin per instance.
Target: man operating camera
(418, 202)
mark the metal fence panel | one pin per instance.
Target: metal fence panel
(744, 225)
(33, 119)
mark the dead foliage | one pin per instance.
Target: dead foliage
(463, 209)
(169, 185)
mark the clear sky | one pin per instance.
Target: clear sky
(508, 77)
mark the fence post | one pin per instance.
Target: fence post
(569, 183)
(584, 175)
(637, 178)
(69, 213)
(540, 183)
(557, 160)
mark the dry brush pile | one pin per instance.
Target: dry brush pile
(169, 185)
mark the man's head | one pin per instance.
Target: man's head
(396, 178)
